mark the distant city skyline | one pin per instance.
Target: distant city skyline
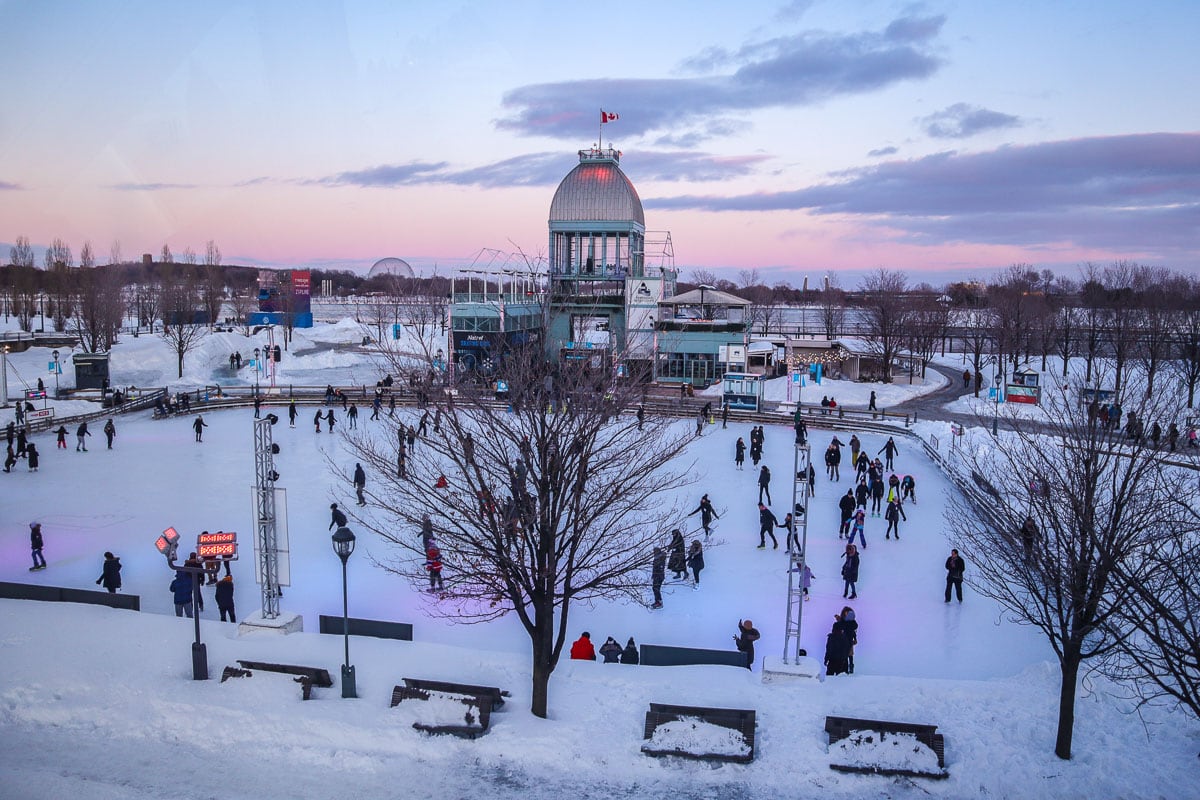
(944, 139)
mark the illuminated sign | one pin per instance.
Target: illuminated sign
(220, 537)
(222, 550)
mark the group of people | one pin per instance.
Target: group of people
(679, 559)
(81, 434)
(20, 447)
(185, 588)
(611, 651)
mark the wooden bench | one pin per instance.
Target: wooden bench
(740, 720)
(380, 629)
(476, 706)
(659, 655)
(307, 677)
(493, 696)
(839, 728)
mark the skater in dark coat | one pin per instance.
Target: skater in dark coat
(837, 652)
(337, 518)
(850, 572)
(110, 432)
(81, 434)
(31, 453)
(746, 636)
(10, 460)
(707, 514)
(908, 489)
(767, 522)
(329, 418)
(61, 440)
(955, 567)
(678, 560)
(862, 493)
(360, 483)
(611, 651)
(110, 575)
(225, 598)
(846, 506)
(181, 590)
(847, 625)
(630, 654)
(292, 414)
(764, 483)
(658, 573)
(198, 426)
(789, 525)
(35, 546)
(695, 560)
(317, 420)
(739, 453)
(889, 451)
(892, 515)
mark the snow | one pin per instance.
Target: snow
(695, 736)
(870, 749)
(442, 708)
(96, 702)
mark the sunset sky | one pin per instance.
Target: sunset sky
(946, 139)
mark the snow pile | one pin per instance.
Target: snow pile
(892, 751)
(442, 708)
(697, 737)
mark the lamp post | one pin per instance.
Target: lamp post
(996, 412)
(54, 354)
(343, 545)
(256, 370)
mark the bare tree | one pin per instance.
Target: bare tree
(179, 303)
(580, 520)
(21, 253)
(114, 253)
(1066, 323)
(99, 308)
(1158, 292)
(165, 255)
(704, 276)
(87, 259)
(925, 329)
(884, 304)
(244, 298)
(1187, 335)
(833, 308)
(189, 256)
(1120, 317)
(1097, 502)
(1013, 299)
(59, 260)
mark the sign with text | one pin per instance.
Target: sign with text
(222, 544)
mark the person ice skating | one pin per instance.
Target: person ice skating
(858, 526)
(892, 515)
(1028, 533)
(433, 565)
(908, 489)
(658, 573)
(317, 420)
(376, 406)
(700, 423)
(611, 650)
(806, 577)
(746, 636)
(352, 415)
(695, 561)
(724, 415)
(855, 449)
(862, 493)
(224, 592)
(789, 525)
(81, 434)
(707, 514)
(641, 416)
(181, 590)
(764, 483)
(110, 573)
(848, 625)
(862, 466)
(800, 427)
(846, 506)
(850, 564)
(360, 483)
(110, 432)
(812, 481)
(837, 652)
(889, 451)
(955, 567)
(336, 517)
(871, 404)
(876, 495)
(678, 560)
(32, 457)
(257, 407)
(10, 460)
(767, 522)
(739, 453)
(583, 649)
(330, 420)
(630, 654)
(833, 460)
(198, 426)
(35, 546)
(61, 439)
(292, 413)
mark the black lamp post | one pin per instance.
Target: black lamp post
(343, 545)
(54, 354)
(996, 412)
(257, 370)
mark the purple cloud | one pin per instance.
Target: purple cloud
(883, 151)
(151, 187)
(960, 121)
(1128, 192)
(7, 186)
(787, 71)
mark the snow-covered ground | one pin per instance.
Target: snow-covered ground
(98, 703)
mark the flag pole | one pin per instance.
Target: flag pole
(601, 140)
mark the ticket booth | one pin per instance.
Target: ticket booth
(1025, 387)
(743, 391)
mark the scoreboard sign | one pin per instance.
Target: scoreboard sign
(222, 544)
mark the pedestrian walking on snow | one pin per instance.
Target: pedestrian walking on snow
(678, 560)
(257, 407)
(871, 404)
(110, 573)
(658, 573)
(292, 414)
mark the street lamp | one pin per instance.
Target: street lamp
(343, 545)
(54, 354)
(996, 413)
(257, 370)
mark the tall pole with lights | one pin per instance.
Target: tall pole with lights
(343, 545)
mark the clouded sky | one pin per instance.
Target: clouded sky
(945, 138)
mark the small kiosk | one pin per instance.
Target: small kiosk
(743, 391)
(1025, 387)
(91, 370)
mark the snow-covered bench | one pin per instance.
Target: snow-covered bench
(307, 677)
(697, 732)
(912, 749)
(493, 695)
(457, 713)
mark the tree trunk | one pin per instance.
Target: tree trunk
(180, 365)
(543, 660)
(1066, 705)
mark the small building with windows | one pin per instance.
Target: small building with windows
(694, 329)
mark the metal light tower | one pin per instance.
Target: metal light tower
(796, 558)
(264, 495)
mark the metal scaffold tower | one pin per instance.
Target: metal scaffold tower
(796, 556)
(264, 506)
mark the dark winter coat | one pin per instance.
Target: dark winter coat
(889, 448)
(225, 593)
(611, 652)
(32, 453)
(678, 562)
(861, 492)
(658, 568)
(955, 567)
(739, 451)
(181, 587)
(850, 568)
(764, 477)
(360, 477)
(848, 625)
(745, 642)
(766, 519)
(35, 538)
(893, 513)
(337, 518)
(705, 509)
(110, 576)
(846, 504)
(877, 489)
(630, 654)
(695, 559)
(837, 652)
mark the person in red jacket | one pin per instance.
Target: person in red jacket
(583, 648)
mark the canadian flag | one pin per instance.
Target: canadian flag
(608, 116)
